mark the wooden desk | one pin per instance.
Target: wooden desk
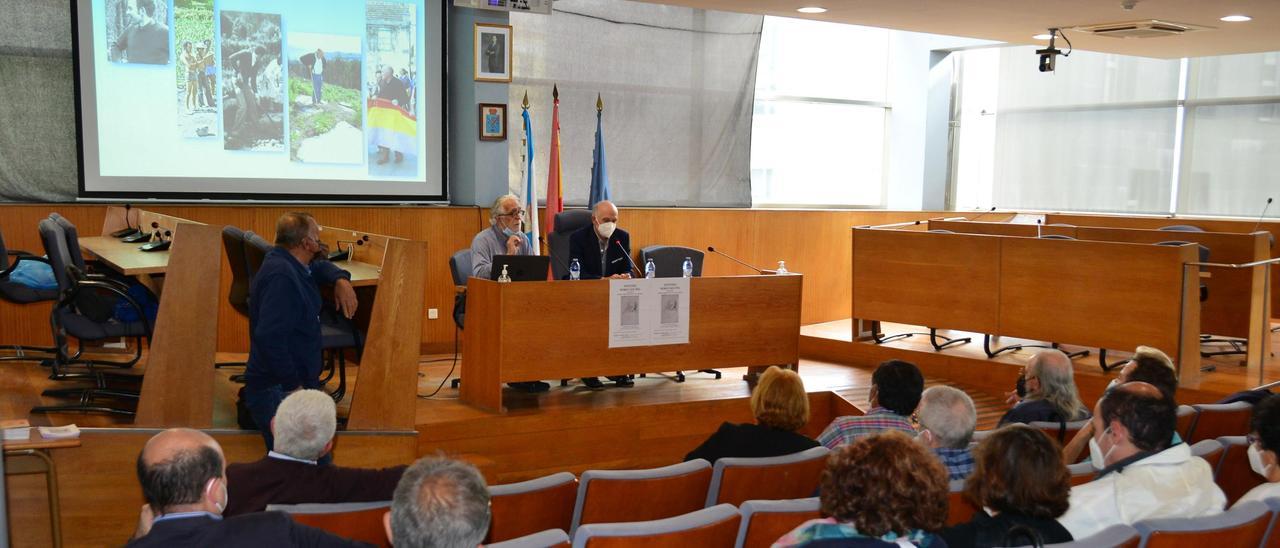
(553, 330)
(362, 274)
(1035, 288)
(32, 457)
(126, 258)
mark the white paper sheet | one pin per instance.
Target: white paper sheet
(645, 312)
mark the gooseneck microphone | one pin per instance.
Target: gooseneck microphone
(731, 258)
(980, 215)
(626, 254)
(1260, 217)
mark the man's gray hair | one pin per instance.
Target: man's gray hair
(1057, 383)
(292, 228)
(948, 413)
(441, 503)
(304, 424)
(496, 209)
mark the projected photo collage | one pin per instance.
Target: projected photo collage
(301, 81)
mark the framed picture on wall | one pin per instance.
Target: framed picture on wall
(492, 52)
(493, 122)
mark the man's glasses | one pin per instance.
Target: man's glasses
(516, 213)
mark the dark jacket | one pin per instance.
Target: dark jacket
(393, 90)
(251, 486)
(750, 440)
(584, 246)
(984, 530)
(284, 321)
(1038, 411)
(274, 529)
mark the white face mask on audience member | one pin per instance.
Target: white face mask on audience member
(1096, 457)
(1255, 461)
(1114, 383)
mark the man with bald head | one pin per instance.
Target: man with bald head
(1142, 474)
(184, 482)
(603, 251)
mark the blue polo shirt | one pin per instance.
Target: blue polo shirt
(284, 321)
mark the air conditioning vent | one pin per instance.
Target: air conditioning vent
(1150, 28)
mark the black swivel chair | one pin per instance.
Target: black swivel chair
(668, 262)
(337, 334)
(460, 267)
(78, 313)
(233, 244)
(13, 292)
(565, 223)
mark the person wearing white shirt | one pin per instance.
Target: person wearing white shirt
(1141, 475)
(1264, 442)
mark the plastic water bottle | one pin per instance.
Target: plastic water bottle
(575, 270)
(782, 268)
(650, 270)
(504, 277)
(687, 268)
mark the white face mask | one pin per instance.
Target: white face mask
(605, 230)
(1096, 457)
(1255, 461)
(1114, 383)
(221, 505)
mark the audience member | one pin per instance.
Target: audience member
(1264, 446)
(880, 490)
(184, 482)
(1148, 365)
(1141, 474)
(1022, 484)
(895, 392)
(1051, 394)
(947, 419)
(780, 406)
(303, 427)
(440, 503)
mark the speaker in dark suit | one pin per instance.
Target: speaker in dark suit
(584, 245)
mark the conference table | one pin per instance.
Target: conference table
(183, 344)
(526, 331)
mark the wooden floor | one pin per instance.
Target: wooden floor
(832, 341)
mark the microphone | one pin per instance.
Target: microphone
(731, 258)
(552, 253)
(628, 256)
(980, 215)
(1260, 217)
(128, 229)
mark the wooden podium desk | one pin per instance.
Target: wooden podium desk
(527, 331)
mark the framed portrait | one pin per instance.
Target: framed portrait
(492, 52)
(493, 122)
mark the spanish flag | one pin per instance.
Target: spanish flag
(392, 127)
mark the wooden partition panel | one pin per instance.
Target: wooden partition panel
(1001, 229)
(1053, 290)
(1239, 226)
(177, 389)
(937, 280)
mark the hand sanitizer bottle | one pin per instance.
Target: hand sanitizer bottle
(503, 277)
(782, 268)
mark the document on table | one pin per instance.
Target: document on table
(645, 312)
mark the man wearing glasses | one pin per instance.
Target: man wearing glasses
(284, 317)
(505, 236)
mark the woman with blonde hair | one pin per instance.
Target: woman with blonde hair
(780, 406)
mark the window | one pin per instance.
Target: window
(818, 129)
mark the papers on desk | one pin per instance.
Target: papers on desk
(68, 432)
(646, 312)
(16, 429)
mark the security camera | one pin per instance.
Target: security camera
(1049, 55)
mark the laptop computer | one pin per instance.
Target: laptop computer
(521, 268)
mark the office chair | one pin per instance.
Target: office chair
(878, 337)
(78, 313)
(668, 262)
(566, 223)
(14, 292)
(233, 243)
(460, 267)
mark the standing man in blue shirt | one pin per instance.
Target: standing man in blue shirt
(284, 317)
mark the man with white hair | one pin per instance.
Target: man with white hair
(303, 427)
(505, 236)
(1050, 391)
(440, 503)
(947, 418)
(603, 251)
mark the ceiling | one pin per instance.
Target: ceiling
(1016, 21)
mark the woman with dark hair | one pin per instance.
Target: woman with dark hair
(882, 490)
(1021, 482)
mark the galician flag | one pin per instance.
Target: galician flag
(530, 197)
(555, 189)
(599, 174)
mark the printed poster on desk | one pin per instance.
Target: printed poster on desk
(671, 300)
(647, 312)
